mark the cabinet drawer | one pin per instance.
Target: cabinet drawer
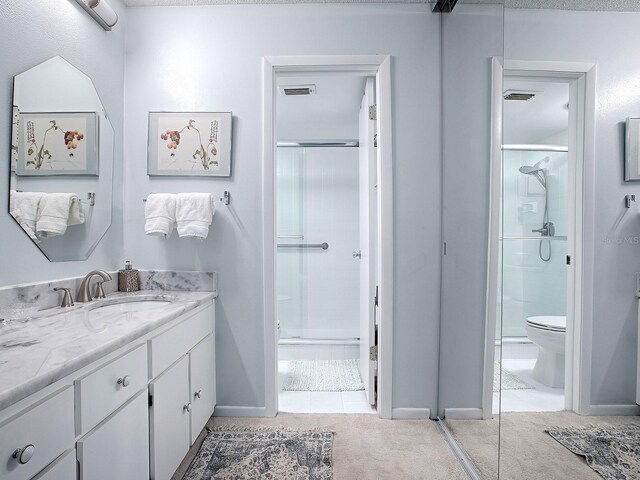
(167, 347)
(46, 426)
(64, 468)
(102, 391)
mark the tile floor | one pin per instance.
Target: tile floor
(319, 402)
(540, 399)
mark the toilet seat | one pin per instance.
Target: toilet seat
(548, 322)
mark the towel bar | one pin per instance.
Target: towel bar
(226, 198)
(323, 246)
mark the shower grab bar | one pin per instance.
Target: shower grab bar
(323, 246)
(535, 148)
(297, 237)
(541, 237)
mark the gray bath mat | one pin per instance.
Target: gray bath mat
(611, 450)
(239, 452)
(323, 376)
(510, 381)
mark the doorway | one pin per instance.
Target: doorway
(536, 329)
(327, 199)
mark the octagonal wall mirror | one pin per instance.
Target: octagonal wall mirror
(62, 146)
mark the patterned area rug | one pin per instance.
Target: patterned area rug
(323, 376)
(510, 381)
(239, 452)
(611, 450)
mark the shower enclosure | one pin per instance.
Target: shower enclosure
(533, 239)
(318, 231)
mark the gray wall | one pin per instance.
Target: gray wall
(472, 34)
(610, 40)
(209, 58)
(31, 32)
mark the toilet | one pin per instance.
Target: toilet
(548, 332)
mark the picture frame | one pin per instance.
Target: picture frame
(632, 150)
(57, 143)
(189, 144)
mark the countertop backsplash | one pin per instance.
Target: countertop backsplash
(42, 293)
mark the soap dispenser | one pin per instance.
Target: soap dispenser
(128, 279)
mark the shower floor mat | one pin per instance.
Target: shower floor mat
(509, 380)
(323, 376)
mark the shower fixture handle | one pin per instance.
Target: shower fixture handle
(547, 230)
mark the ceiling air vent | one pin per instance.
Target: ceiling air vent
(297, 90)
(519, 95)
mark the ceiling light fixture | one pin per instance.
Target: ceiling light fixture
(101, 12)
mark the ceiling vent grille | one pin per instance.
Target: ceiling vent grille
(297, 90)
(519, 95)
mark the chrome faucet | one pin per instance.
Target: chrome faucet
(84, 294)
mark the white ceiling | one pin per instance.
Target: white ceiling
(597, 5)
(331, 113)
(538, 119)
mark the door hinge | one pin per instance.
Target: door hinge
(375, 141)
(568, 259)
(373, 112)
(375, 298)
(151, 400)
(373, 353)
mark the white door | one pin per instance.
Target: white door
(367, 156)
(203, 384)
(169, 420)
(119, 448)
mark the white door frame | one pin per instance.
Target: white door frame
(380, 67)
(582, 80)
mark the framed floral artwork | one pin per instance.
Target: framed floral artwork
(57, 143)
(196, 144)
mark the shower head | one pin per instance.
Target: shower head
(527, 170)
(536, 171)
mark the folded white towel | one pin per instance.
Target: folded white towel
(160, 214)
(16, 199)
(24, 209)
(56, 211)
(194, 214)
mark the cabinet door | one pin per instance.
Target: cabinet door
(203, 384)
(169, 419)
(118, 447)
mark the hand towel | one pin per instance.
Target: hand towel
(194, 213)
(29, 227)
(160, 214)
(54, 211)
(24, 208)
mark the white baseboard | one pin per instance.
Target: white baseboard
(463, 413)
(608, 410)
(411, 413)
(230, 411)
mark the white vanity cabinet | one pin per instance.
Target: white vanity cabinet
(131, 415)
(182, 397)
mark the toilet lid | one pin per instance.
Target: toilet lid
(556, 323)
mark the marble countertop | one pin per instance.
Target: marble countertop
(59, 341)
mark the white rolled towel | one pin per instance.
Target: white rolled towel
(194, 214)
(57, 211)
(160, 214)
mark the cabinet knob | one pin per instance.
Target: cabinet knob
(124, 381)
(187, 407)
(24, 454)
(198, 394)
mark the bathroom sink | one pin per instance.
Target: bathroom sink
(130, 304)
